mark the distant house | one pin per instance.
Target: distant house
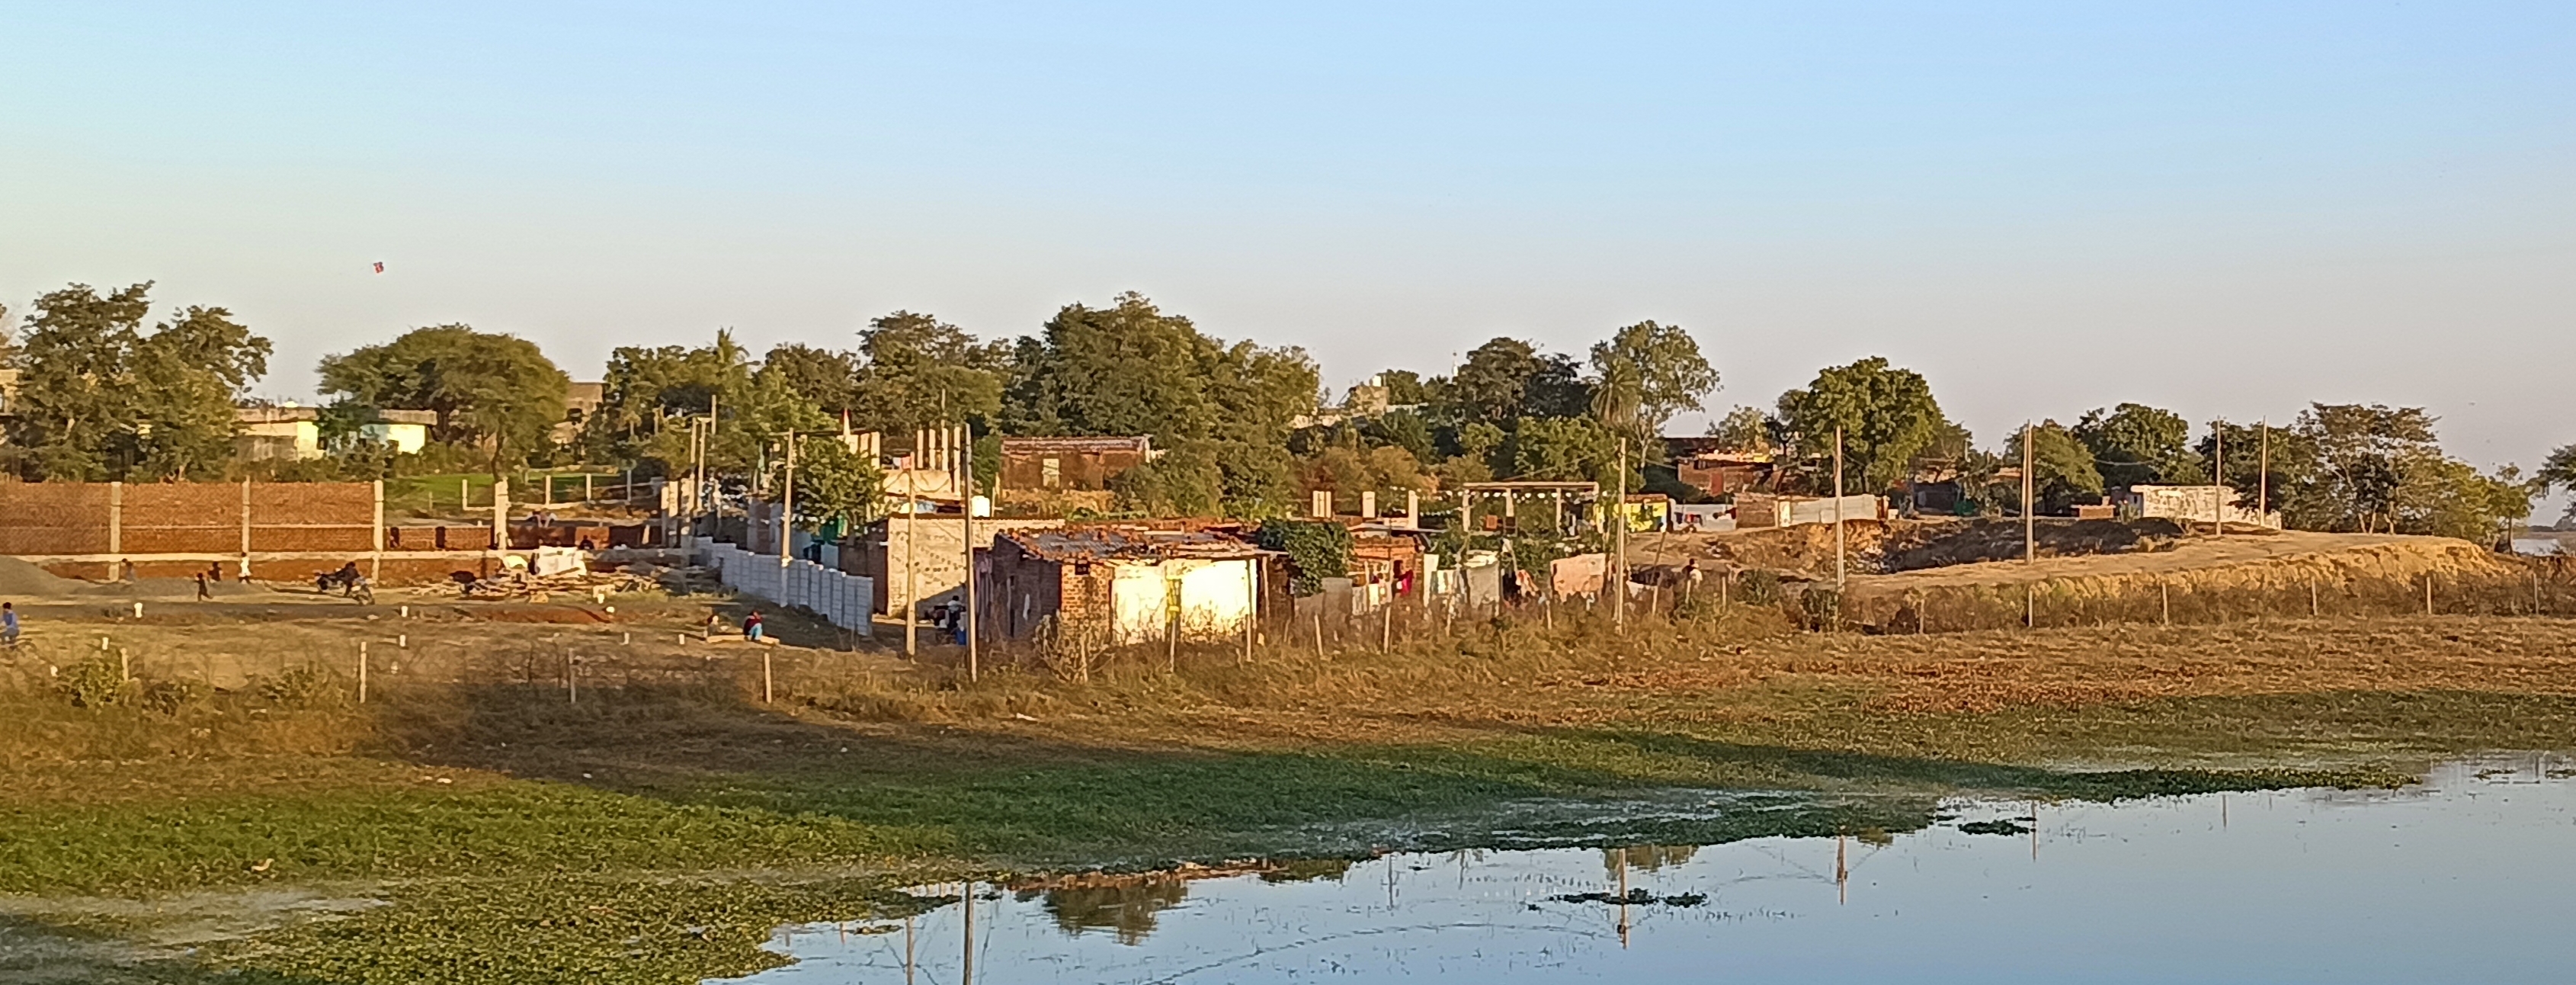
(2194, 504)
(580, 401)
(406, 431)
(1761, 510)
(1052, 476)
(1119, 585)
(286, 432)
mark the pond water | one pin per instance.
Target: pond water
(2469, 877)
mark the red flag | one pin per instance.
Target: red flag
(380, 266)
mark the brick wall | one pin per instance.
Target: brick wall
(53, 518)
(184, 518)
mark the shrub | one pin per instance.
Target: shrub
(97, 682)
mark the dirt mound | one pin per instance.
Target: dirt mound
(1878, 547)
(20, 579)
(1939, 544)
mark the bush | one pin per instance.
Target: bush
(299, 687)
(98, 682)
(168, 697)
(1758, 587)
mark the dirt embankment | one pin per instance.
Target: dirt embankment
(1877, 547)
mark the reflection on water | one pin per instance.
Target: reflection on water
(2464, 879)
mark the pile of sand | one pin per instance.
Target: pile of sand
(20, 579)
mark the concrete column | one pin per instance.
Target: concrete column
(115, 525)
(245, 532)
(376, 564)
(1323, 504)
(500, 514)
(1413, 509)
(1368, 503)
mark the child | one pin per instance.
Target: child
(751, 628)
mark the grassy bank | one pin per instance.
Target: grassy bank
(578, 837)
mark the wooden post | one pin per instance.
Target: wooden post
(2312, 599)
(768, 683)
(968, 978)
(572, 684)
(1386, 625)
(1251, 603)
(2164, 591)
(2428, 593)
(362, 672)
(787, 505)
(1319, 628)
(2263, 474)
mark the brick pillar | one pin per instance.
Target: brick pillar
(376, 564)
(245, 531)
(500, 514)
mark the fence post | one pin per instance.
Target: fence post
(2428, 593)
(362, 672)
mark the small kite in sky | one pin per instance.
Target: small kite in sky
(380, 266)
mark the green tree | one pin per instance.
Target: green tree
(2137, 445)
(916, 372)
(1507, 379)
(2558, 471)
(2376, 468)
(2276, 465)
(1218, 410)
(831, 482)
(2062, 472)
(99, 398)
(1567, 449)
(1745, 429)
(650, 395)
(826, 378)
(1660, 371)
(491, 391)
(1887, 415)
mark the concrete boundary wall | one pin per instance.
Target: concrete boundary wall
(847, 601)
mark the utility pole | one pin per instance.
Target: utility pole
(1619, 510)
(2029, 527)
(911, 532)
(787, 505)
(2263, 474)
(1838, 508)
(2218, 480)
(965, 466)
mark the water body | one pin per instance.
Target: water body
(2469, 877)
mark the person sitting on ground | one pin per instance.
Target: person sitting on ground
(751, 627)
(8, 624)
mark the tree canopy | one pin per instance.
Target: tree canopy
(491, 391)
(2134, 444)
(2061, 468)
(99, 398)
(1887, 415)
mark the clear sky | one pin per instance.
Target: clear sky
(2229, 209)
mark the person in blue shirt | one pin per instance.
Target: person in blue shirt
(8, 624)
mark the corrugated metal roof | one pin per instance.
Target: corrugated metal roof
(1124, 543)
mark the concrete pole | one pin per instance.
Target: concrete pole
(1619, 510)
(376, 564)
(2218, 480)
(500, 514)
(787, 505)
(1838, 509)
(115, 526)
(911, 533)
(2029, 526)
(966, 530)
(245, 532)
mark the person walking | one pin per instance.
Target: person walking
(202, 594)
(8, 624)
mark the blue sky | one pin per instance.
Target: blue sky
(2226, 209)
